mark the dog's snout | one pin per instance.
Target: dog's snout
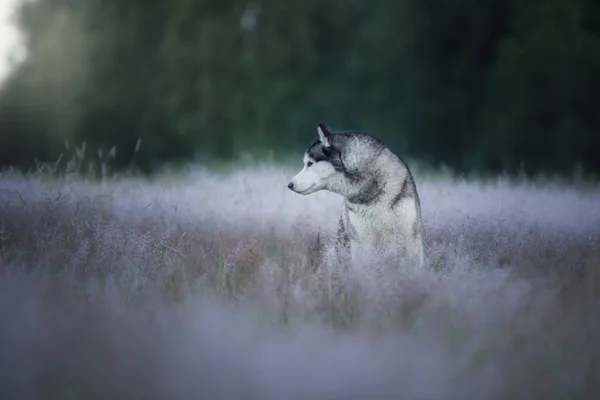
(291, 185)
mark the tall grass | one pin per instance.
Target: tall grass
(211, 285)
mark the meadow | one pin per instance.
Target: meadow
(207, 284)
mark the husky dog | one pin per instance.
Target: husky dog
(381, 204)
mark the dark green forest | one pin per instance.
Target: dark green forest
(497, 86)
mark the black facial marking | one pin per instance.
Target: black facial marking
(315, 151)
(331, 154)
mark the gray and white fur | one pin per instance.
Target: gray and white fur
(381, 204)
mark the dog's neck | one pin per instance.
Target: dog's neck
(381, 187)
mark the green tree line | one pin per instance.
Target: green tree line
(488, 85)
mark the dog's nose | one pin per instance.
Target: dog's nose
(291, 185)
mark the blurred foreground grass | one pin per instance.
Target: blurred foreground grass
(217, 284)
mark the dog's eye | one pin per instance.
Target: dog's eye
(308, 164)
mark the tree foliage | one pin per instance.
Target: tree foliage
(492, 85)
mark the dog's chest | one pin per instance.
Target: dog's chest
(373, 225)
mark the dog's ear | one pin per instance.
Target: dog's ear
(324, 134)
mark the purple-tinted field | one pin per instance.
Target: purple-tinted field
(215, 286)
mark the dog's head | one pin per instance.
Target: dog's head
(325, 164)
